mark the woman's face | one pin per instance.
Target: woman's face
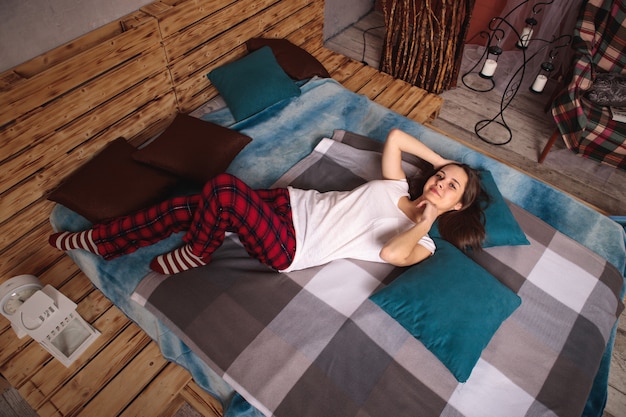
(445, 189)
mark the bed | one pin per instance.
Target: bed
(331, 340)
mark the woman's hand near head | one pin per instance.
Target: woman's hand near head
(398, 142)
(446, 162)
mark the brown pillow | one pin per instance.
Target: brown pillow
(193, 149)
(112, 184)
(295, 61)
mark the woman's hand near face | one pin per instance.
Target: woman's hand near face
(427, 212)
(404, 249)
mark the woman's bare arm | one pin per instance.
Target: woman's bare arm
(404, 249)
(398, 142)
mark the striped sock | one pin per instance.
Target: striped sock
(178, 260)
(76, 240)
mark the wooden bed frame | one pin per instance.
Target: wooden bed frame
(129, 78)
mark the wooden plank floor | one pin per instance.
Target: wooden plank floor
(600, 186)
(122, 374)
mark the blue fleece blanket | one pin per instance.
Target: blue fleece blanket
(284, 134)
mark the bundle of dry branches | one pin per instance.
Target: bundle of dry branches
(424, 41)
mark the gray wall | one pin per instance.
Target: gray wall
(29, 28)
(339, 14)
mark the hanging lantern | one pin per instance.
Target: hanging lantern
(542, 76)
(527, 32)
(491, 63)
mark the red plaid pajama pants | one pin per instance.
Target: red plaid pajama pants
(261, 218)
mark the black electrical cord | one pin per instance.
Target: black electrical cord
(364, 42)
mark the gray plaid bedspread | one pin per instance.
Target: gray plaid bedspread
(310, 343)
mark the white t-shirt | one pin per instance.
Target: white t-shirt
(348, 224)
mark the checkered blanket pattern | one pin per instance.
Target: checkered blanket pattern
(599, 44)
(310, 343)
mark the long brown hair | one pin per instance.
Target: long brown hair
(464, 228)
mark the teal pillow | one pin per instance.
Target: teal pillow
(450, 304)
(500, 225)
(253, 83)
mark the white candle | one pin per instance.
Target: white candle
(525, 37)
(489, 68)
(540, 83)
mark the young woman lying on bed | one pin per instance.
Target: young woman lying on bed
(290, 229)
